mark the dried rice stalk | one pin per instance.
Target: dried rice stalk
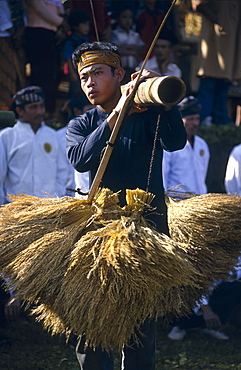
(85, 263)
(105, 260)
(209, 225)
(123, 268)
(28, 219)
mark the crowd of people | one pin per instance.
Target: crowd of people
(99, 54)
(38, 37)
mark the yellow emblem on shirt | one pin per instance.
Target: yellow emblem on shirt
(201, 152)
(47, 147)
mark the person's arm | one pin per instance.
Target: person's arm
(203, 7)
(233, 170)
(172, 131)
(3, 171)
(46, 13)
(86, 139)
(211, 319)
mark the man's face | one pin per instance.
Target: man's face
(162, 50)
(32, 113)
(99, 83)
(191, 124)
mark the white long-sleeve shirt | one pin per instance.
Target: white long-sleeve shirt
(233, 172)
(187, 166)
(70, 184)
(31, 163)
(120, 37)
(172, 68)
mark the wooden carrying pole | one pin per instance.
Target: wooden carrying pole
(109, 148)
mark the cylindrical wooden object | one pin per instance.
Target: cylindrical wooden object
(166, 90)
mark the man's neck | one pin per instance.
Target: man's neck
(162, 64)
(34, 126)
(110, 105)
(191, 140)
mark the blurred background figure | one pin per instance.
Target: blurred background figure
(12, 66)
(161, 61)
(42, 52)
(79, 23)
(188, 166)
(223, 305)
(129, 42)
(10, 310)
(219, 57)
(149, 18)
(31, 158)
(75, 180)
(102, 18)
(233, 172)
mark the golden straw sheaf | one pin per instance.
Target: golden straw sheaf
(209, 225)
(83, 263)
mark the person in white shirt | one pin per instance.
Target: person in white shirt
(213, 312)
(77, 181)
(161, 61)
(188, 167)
(129, 42)
(32, 161)
(232, 177)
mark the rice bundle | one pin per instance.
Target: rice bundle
(209, 225)
(84, 270)
(30, 218)
(83, 264)
(121, 269)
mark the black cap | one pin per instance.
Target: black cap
(189, 106)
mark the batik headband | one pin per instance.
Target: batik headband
(99, 57)
(30, 94)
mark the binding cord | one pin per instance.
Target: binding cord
(153, 152)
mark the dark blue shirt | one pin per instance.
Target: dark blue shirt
(129, 164)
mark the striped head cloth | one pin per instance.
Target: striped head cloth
(30, 94)
(99, 57)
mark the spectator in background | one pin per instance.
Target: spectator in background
(76, 180)
(12, 66)
(215, 311)
(10, 308)
(31, 158)
(220, 57)
(188, 166)
(79, 22)
(42, 52)
(128, 41)
(148, 21)
(161, 61)
(233, 172)
(102, 18)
